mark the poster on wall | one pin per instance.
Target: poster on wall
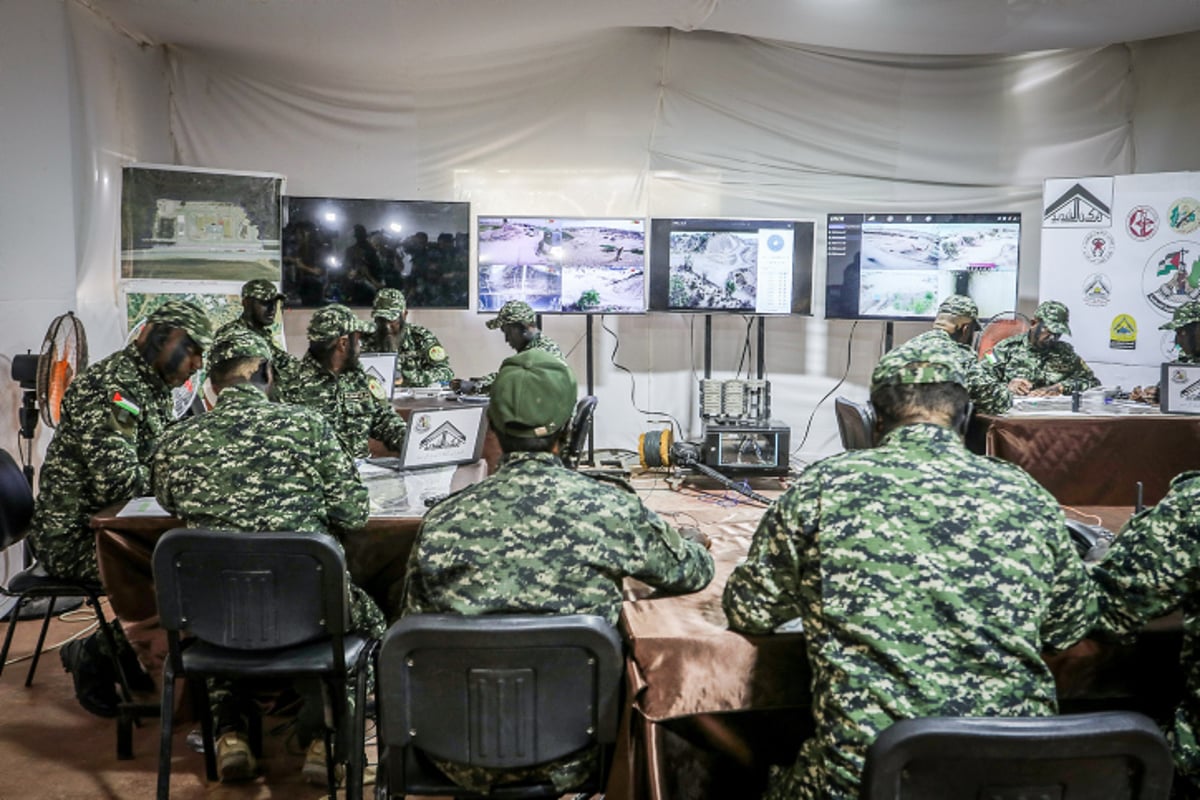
(1122, 252)
(185, 223)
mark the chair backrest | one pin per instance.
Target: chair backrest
(251, 591)
(16, 501)
(1000, 328)
(497, 691)
(856, 424)
(581, 423)
(1100, 756)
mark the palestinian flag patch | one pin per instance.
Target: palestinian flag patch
(128, 405)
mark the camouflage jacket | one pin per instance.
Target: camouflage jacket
(1057, 363)
(536, 537)
(283, 362)
(420, 359)
(990, 396)
(1153, 568)
(100, 454)
(542, 342)
(928, 580)
(355, 405)
(253, 465)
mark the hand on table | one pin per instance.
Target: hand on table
(1047, 391)
(696, 535)
(1020, 386)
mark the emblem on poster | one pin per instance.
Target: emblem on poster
(1141, 223)
(1184, 215)
(1097, 289)
(1122, 334)
(1098, 246)
(1078, 203)
(1171, 276)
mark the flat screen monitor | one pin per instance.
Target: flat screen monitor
(562, 265)
(343, 250)
(901, 266)
(745, 266)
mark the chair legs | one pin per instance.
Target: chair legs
(167, 713)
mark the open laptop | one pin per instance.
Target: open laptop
(439, 436)
(381, 366)
(1179, 388)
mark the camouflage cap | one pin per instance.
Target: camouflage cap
(187, 316)
(335, 320)
(514, 311)
(235, 342)
(389, 304)
(960, 306)
(1185, 315)
(1054, 316)
(927, 362)
(533, 395)
(261, 289)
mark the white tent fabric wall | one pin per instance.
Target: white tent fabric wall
(635, 122)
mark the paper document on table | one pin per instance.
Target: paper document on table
(404, 492)
(142, 507)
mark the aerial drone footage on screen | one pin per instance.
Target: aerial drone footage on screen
(901, 266)
(562, 265)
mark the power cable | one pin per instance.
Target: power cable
(836, 386)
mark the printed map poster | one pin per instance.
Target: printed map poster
(1122, 252)
(193, 224)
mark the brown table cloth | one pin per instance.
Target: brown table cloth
(1097, 460)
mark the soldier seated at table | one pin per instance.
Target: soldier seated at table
(536, 537)
(518, 322)
(1153, 569)
(420, 358)
(253, 465)
(1038, 363)
(112, 417)
(260, 304)
(1186, 324)
(330, 379)
(955, 326)
(929, 580)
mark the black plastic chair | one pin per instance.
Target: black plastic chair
(580, 428)
(495, 691)
(1100, 756)
(259, 605)
(33, 583)
(856, 424)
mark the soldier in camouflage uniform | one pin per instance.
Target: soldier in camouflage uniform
(260, 302)
(929, 580)
(112, 417)
(1038, 363)
(955, 326)
(518, 322)
(253, 465)
(536, 537)
(1152, 569)
(330, 380)
(1186, 324)
(420, 358)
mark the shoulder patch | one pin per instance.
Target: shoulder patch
(120, 401)
(437, 353)
(376, 388)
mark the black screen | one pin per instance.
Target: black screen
(343, 250)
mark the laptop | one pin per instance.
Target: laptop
(440, 436)
(382, 367)
(1179, 388)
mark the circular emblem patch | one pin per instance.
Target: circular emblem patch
(1097, 289)
(1184, 215)
(376, 388)
(1171, 276)
(1098, 246)
(1142, 222)
(437, 353)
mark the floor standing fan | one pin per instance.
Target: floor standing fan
(43, 379)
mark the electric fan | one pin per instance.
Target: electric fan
(64, 355)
